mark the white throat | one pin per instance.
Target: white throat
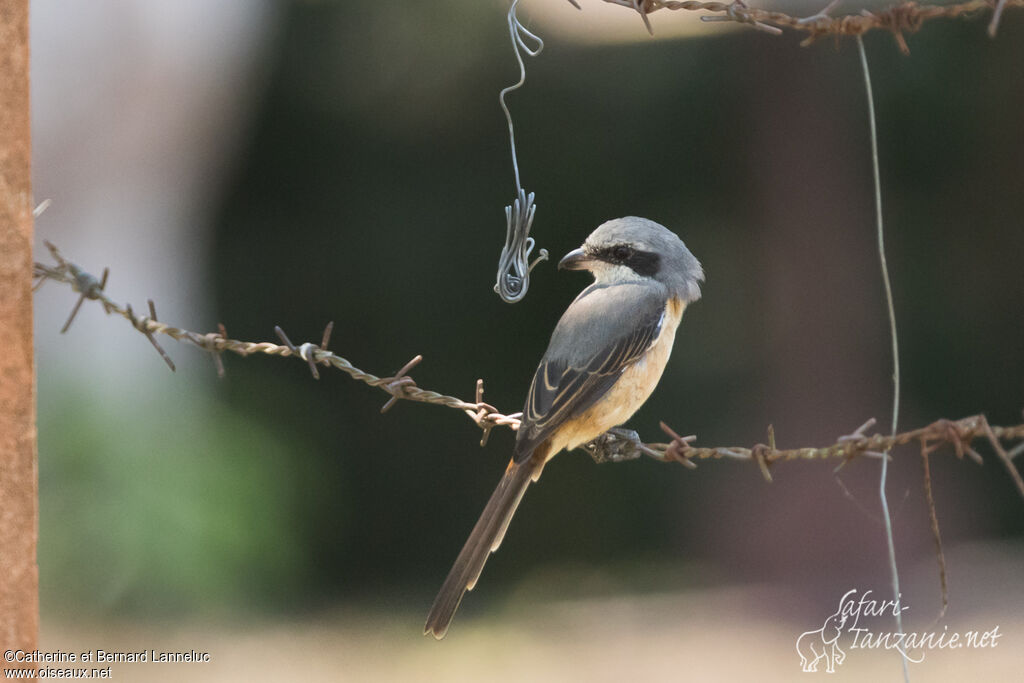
(611, 274)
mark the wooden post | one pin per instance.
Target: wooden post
(19, 509)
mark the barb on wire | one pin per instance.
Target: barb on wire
(738, 12)
(218, 361)
(89, 288)
(514, 263)
(140, 325)
(906, 17)
(641, 8)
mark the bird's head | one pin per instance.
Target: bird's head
(631, 249)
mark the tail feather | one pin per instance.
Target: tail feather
(484, 539)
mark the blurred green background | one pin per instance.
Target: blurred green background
(363, 180)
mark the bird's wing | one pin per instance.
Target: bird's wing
(601, 334)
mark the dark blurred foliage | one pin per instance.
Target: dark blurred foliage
(370, 192)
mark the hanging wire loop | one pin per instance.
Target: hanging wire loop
(514, 264)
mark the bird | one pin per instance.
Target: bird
(606, 355)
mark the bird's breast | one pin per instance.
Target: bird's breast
(629, 392)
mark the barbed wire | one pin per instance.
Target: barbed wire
(617, 445)
(399, 385)
(906, 17)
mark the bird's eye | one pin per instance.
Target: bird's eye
(621, 252)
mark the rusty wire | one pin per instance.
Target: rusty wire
(906, 17)
(615, 446)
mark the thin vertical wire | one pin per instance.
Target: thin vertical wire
(514, 264)
(516, 32)
(893, 570)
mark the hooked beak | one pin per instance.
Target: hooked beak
(574, 260)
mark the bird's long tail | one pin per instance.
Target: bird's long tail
(484, 539)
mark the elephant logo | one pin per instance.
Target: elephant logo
(822, 643)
